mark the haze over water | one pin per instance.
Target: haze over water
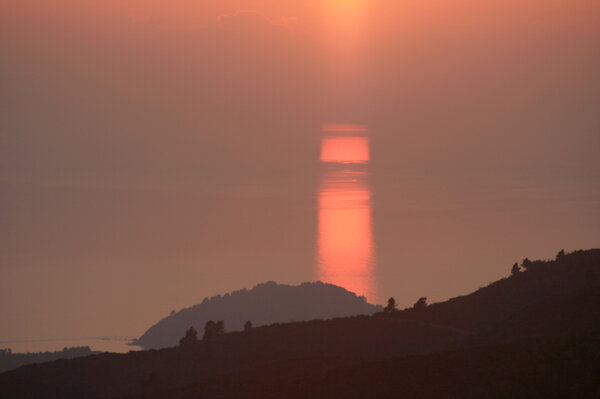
(154, 153)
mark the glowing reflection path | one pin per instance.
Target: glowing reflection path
(345, 242)
(345, 239)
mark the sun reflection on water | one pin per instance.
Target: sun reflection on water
(345, 244)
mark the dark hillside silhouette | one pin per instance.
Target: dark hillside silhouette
(266, 303)
(486, 308)
(534, 335)
(115, 374)
(557, 316)
(566, 369)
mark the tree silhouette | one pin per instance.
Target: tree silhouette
(191, 336)
(515, 269)
(220, 328)
(391, 305)
(248, 326)
(560, 254)
(526, 263)
(213, 330)
(209, 330)
(420, 304)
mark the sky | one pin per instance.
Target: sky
(153, 153)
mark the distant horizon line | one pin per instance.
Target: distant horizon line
(96, 338)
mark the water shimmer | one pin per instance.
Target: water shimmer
(345, 238)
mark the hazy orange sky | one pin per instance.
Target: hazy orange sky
(156, 152)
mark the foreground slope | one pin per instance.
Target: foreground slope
(563, 369)
(538, 338)
(266, 303)
(113, 375)
(487, 308)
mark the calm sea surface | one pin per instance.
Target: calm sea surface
(101, 344)
(89, 259)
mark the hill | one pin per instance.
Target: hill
(113, 375)
(264, 304)
(486, 309)
(539, 339)
(564, 369)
